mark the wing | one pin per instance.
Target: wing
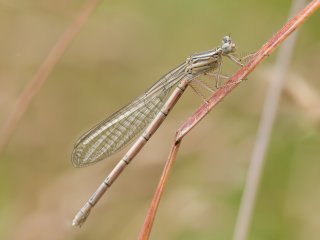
(119, 129)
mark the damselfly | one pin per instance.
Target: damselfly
(145, 114)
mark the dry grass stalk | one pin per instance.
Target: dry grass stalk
(43, 72)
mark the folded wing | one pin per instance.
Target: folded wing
(119, 129)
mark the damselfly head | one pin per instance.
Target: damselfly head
(227, 45)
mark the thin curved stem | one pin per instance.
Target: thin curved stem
(33, 87)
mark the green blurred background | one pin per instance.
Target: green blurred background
(122, 50)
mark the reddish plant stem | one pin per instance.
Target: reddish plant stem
(234, 81)
(147, 226)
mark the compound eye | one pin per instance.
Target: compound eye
(226, 39)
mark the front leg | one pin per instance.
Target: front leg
(235, 60)
(241, 61)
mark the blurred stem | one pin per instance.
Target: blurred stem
(253, 180)
(43, 72)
